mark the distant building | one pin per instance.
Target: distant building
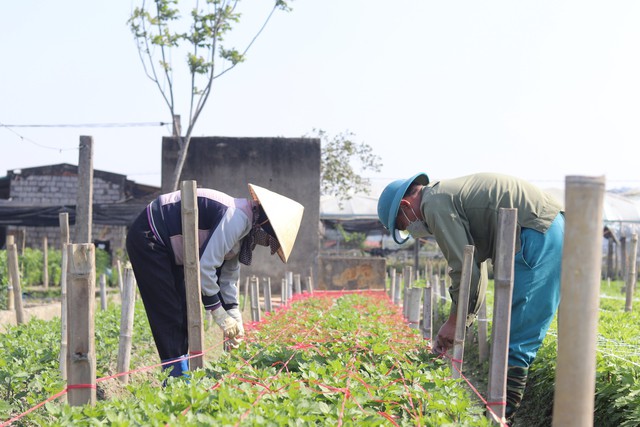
(32, 198)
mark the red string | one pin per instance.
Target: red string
(74, 386)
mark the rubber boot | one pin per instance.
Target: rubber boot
(178, 368)
(516, 383)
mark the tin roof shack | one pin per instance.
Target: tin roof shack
(32, 198)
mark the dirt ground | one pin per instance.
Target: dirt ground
(44, 312)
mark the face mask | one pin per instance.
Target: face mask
(416, 228)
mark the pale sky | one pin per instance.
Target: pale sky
(536, 89)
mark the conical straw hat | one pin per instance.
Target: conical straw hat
(284, 216)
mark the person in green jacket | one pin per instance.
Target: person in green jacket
(464, 211)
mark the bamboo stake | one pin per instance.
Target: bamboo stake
(81, 358)
(463, 309)
(427, 313)
(394, 291)
(266, 290)
(10, 294)
(127, 312)
(631, 272)
(297, 283)
(413, 309)
(255, 300)
(63, 220)
(483, 344)
(503, 285)
(580, 289)
(84, 205)
(283, 292)
(103, 292)
(14, 272)
(45, 263)
(195, 324)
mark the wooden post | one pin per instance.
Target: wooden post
(416, 257)
(631, 272)
(483, 343)
(195, 325)
(120, 279)
(392, 286)
(63, 219)
(413, 309)
(127, 312)
(289, 285)
(266, 290)
(14, 273)
(103, 292)
(255, 300)
(81, 359)
(503, 285)
(84, 205)
(283, 292)
(245, 294)
(45, 263)
(580, 290)
(427, 313)
(310, 281)
(435, 298)
(297, 284)
(11, 305)
(463, 309)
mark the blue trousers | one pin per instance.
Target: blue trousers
(536, 290)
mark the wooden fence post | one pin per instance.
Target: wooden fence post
(580, 296)
(127, 312)
(463, 309)
(503, 285)
(81, 359)
(195, 324)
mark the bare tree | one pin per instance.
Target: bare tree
(154, 26)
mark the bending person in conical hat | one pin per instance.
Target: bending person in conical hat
(229, 229)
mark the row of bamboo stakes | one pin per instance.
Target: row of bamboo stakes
(577, 314)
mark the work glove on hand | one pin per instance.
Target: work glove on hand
(227, 323)
(237, 316)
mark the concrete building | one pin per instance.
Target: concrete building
(288, 166)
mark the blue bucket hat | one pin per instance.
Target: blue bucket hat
(389, 204)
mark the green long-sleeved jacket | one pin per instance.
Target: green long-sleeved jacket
(464, 211)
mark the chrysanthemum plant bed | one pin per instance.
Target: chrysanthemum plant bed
(326, 359)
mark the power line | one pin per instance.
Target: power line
(87, 125)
